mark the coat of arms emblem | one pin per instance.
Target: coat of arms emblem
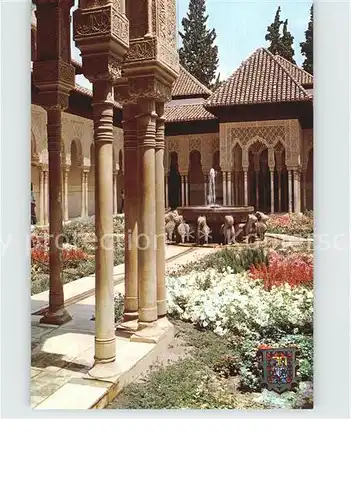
(278, 368)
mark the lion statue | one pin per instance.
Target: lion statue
(203, 230)
(228, 230)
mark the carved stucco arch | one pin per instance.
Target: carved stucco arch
(258, 139)
(34, 151)
(192, 153)
(80, 158)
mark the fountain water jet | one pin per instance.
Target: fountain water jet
(213, 212)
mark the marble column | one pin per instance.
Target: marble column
(83, 211)
(279, 179)
(46, 197)
(183, 190)
(166, 191)
(87, 193)
(105, 339)
(131, 187)
(147, 269)
(41, 197)
(304, 191)
(271, 172)
(225, 198)
(229, 188)
(290, 191)
(246, 194)
(160, 213)
(56, 313)
(115, 191)
(186, 190)
(205, 189)
(297, 191)
(65, 193)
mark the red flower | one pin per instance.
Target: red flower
(295, 270)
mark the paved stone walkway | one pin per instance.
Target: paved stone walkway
(62, 356)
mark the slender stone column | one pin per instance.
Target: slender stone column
(271, 172)
(46, 197)
(304, 192)
(166, 192)
(105, 340)
(160, 213)
(56, 314)
(41, 196)
(225, 202)
(87, 192)
(83, 210)
(205, 188)
(297, 191)
(65, 193)
(246, 194)
(229, 188)
(290, 191)
(186, 190)
(147, 208)
(131, 187)
(115, 187)
(183, 190)
(279, 174)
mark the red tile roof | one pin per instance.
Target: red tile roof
(187, 113)
(187, 85)
(299, 74)
(261, 78)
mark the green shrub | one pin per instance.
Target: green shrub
(185, 384)
(238, 259)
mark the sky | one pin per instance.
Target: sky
(241, 27)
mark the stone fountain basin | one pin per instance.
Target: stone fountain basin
(215, 217)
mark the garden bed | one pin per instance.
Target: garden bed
(78, 254)
(226, 306)
(292, 224)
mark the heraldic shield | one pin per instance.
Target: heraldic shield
(278, 368)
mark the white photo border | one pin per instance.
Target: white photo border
(332, 226)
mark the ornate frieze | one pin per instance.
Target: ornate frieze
(269, 133)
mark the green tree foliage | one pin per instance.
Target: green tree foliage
(307, 46)
(287, 40)
(199, 54)
(273, 34)
(280, 40)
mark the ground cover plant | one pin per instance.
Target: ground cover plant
(78, 252)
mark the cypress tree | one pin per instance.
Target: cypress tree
(307, 46)
(287, 40)
(273, 34)
(198, 54)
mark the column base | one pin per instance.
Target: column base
(104, 371)
(130, 316)
(59, 317)
(128, 326)
(153, 332)
(161, 308)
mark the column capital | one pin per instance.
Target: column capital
(53, 73)
(102, 35)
